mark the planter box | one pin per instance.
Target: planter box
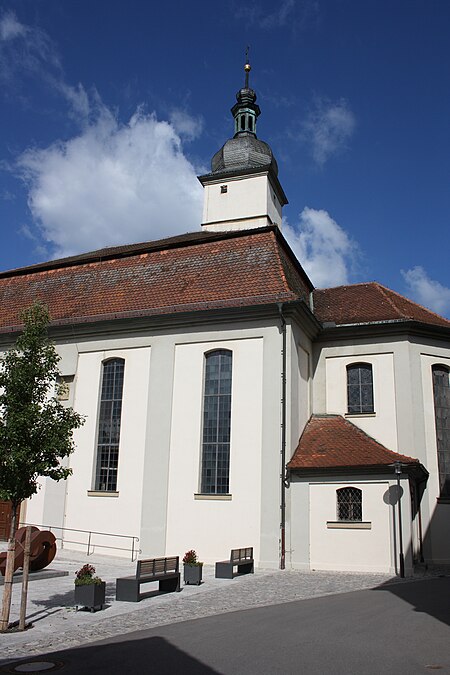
(193, 574)
(90, 596)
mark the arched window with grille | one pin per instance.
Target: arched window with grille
(349, 504)
(441, 395)
(109, 419)
(360, 388)
(215, 466)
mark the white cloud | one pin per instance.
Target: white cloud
(290, 13)
(10, 27)
(322, 247)
(186, 126)
(427, 291)
(27, 52)
(25, 49)
(328, 128)
(280, 16)
(113, 183)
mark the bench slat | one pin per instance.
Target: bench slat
(241, 555)
(157, 567)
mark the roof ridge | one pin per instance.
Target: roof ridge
(279, 263)
(383, 290)
(413, 302)
(358, 283)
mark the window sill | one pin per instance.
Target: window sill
(102, 493)
(373, 414)
(217, 498)
(348, 525)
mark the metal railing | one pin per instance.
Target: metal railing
(90, 543)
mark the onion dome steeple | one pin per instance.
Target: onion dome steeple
(242, 190)
(244, 150)
(245, 111)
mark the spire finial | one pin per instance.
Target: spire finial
(247, 67)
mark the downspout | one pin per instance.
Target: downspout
(419, 515)
(283, 442)
(420, 489)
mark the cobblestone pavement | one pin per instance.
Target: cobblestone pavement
(56, 625)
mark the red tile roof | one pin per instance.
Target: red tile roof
(191, 272)
(332, 442)
(369, 303)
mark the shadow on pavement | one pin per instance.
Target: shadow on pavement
(430, 596)
(154, 654)
(68, 599)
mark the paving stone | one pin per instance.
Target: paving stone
(56, 625)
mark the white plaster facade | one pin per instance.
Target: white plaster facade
(160, 447)
(158, 497)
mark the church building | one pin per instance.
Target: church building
(228, 403)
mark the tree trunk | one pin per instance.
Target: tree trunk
(26, 570)
(9, 571)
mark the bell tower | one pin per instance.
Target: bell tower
(242, 191)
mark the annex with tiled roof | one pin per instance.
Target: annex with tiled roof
(369, 303)
(198, 271)
(331, 442)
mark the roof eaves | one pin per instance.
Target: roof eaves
(414, 468)
(197, 308)
(390, 326)
(301, 310)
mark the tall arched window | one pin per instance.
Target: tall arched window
(441, 393)
(215, 467)
(109, 418)
(359, 388)
(349, 503)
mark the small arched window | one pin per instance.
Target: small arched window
(349, 504)
(215, 467)
(109, 419)
(441, 395)
(360, 388)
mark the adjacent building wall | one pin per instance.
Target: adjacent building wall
(404, 411)
(369, 546)
(382, 424)
(436, 512)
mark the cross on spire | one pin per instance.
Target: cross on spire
(247, 67)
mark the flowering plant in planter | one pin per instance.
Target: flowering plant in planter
(85, 576)
(90, 590)
(192, 568)
(191, 558)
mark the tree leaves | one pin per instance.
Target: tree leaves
(35, 428)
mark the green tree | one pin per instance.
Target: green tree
(35, 428)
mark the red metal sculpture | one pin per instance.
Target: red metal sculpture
(43, 549)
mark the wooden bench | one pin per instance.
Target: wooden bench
(163, 570)
(240, 558)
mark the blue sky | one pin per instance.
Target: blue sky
(109, 110)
